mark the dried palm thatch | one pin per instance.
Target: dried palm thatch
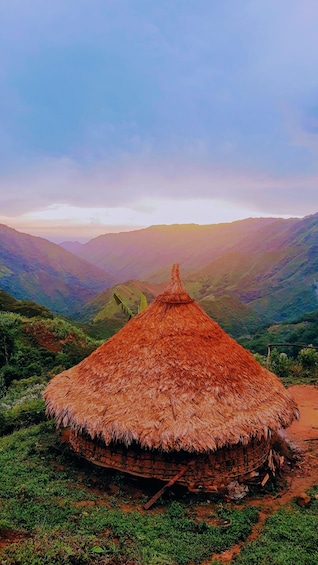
(170, 381)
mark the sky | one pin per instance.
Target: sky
(120, 114)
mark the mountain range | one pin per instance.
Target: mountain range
(148, 254)
(269, 265)
(244, 274)
(33, 268)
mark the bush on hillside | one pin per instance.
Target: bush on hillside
(22, 405)
(302, 369)
(308, 359)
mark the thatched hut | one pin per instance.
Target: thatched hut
(171, 390)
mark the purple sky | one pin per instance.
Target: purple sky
(119, 114)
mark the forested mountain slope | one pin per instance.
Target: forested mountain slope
(148, 254)
(36, 269)
(270, 265)
(274, 273)
(105, 316)
(255, 270)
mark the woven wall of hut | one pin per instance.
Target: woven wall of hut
(206, 472)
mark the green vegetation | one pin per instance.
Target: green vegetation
(66, 511)
(32, 349)
(293, 349)
(231, 314)
(303, 330)
(38, 347)
(35, 269)
(22, 404)
(45, 493)
(302, 369)
(24, 307)
(110, 310)
(290, 536)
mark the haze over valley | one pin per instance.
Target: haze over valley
(245, 274)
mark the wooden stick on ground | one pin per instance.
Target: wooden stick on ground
(264, 481)
(167, 485)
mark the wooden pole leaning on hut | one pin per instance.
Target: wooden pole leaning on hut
(166, 486)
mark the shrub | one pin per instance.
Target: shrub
(2, 422)
(280, 364)
(9, 373)
(22, 415)
(308, 359)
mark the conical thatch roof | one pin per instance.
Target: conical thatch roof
(171, 379)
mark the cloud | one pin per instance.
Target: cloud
(128, 107)
(60, 223)
(110, 78)
(140, 189)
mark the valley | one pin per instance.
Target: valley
(259, 271)
(257, 279)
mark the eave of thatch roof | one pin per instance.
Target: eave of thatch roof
(171, 379)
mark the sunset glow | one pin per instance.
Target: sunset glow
(121, 116)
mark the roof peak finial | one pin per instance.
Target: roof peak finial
(175, 275)
(175, 293)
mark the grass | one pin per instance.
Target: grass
(74, 513)
(44, 493)
(289, 537)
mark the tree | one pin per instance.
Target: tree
(308, 359)
(280, 363)
(9, 324)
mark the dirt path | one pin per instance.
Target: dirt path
(303, 435)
